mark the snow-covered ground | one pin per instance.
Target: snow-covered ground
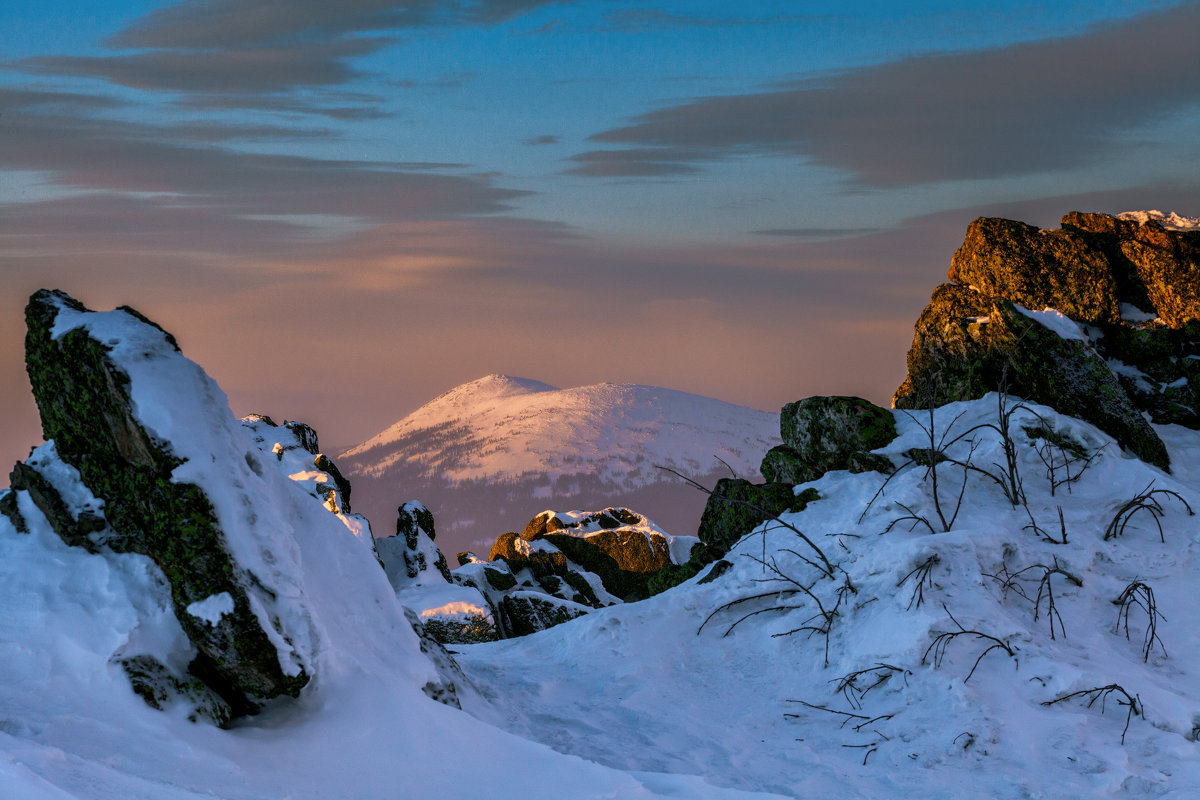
(682, 695)
(646, 687)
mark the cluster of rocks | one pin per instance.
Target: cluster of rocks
(1130, 285)
(561, 566)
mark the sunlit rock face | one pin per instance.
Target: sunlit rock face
(561, 566)
(1124, 344)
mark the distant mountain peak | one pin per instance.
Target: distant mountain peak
(501, 448)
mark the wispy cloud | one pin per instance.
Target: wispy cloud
(184, 161)
(253, 53)
(647, 162)
(648, 20)
(1006, 111)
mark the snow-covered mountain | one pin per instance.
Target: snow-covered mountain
(487, 456)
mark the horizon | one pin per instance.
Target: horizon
(344, 212)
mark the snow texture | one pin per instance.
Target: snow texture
(1060, 323)
(1171, 221)
(212, 608)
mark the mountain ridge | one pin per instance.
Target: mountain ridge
(535, 446)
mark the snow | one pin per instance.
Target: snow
(621, 432)
(1056, 321)
(212, 608)
(645, 687)
(681, 695)
(1131, 313)
(71, 727)
(1170, 220)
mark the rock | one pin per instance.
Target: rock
(8, 507)
(539, 557)
(530, 612)
(84, 399)
(1060, 269)
(1107, 272)
(783, 464)
(307, 438)
(1013, 350)
(833, 433)
(622, 547)
(1165, 262)
(158, 686)
(411, 556)
(737, 506)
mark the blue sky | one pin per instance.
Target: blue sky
(345, 208)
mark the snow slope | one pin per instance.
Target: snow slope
(72, 727)
(488, 455)
(652, 686)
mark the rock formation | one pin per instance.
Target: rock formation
(84, 396)
(1128, 348)
(144, 461)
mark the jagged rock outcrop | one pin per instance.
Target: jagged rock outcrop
(562, 565)
(410, 556)
(447, 611)
(84, 397)
(1129, 288)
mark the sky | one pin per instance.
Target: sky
(344, 209)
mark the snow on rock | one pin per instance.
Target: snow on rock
(1061, 324)
(212, 608)
(410, 557)
(1169, 220)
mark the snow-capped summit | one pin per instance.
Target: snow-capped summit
(518, 444)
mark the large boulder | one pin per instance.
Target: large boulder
(1061, 269)
(1124, 344)
(836, 432)
(78, 364)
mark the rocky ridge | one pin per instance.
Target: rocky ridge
(1099, 319)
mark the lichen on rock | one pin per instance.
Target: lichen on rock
(84, 399)
(1133, 284)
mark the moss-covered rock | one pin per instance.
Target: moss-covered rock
(519, 555)
(1089, 270)
(624, 559)
(1009, 348)
(737, 506)
(783, 464)
(829, 433)
(84, 400)
(158, 686)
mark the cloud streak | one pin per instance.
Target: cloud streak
(183, 161)
(1006, 111)
(234, 49)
